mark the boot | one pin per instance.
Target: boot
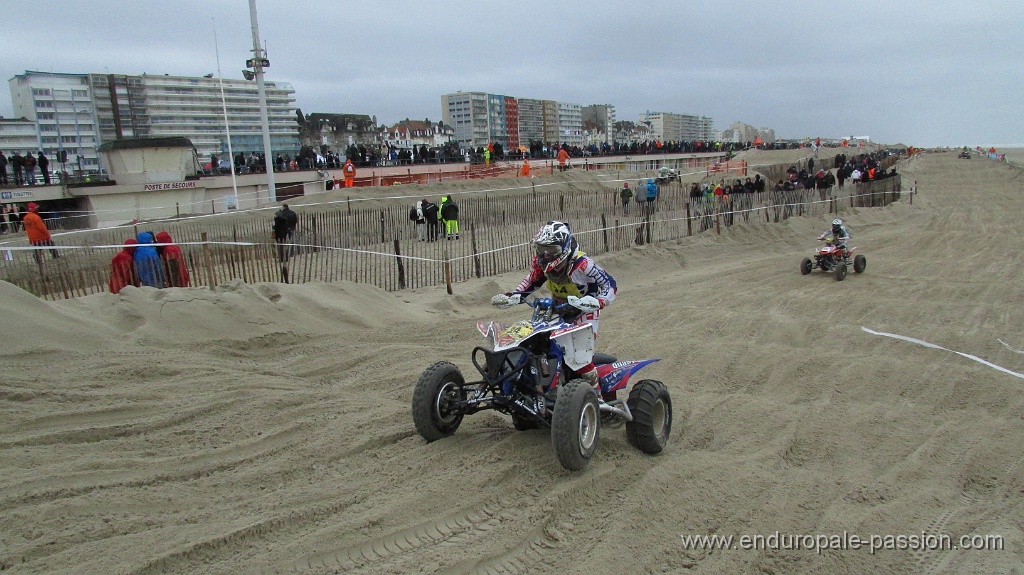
(592, 378)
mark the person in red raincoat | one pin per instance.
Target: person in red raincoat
(122, 267)
(174, 262)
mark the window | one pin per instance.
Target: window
(67, 139)
(80, 93)
(40, 91)
(45, 115)
(42, 104)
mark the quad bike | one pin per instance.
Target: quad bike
(830, 258)
(527, 374)
(667, 176)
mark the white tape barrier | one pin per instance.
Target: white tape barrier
(933, 346)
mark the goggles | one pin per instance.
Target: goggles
(548, 252)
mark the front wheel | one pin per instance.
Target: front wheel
(575, 424)
(806, 266)
(859, 263)
(433, 401)
(651, 407)
(841, 272)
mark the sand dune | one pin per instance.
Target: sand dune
(267, 428)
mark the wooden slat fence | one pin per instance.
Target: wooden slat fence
(378, 245)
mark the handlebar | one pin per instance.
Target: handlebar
(545, 307)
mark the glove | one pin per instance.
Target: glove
(506, 300)
(585, 303)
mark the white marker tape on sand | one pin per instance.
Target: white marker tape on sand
(933, 346)
(1008, 346)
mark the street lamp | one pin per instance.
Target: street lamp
(258, 62)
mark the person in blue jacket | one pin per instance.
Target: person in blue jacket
(652, 190)
(148, 264)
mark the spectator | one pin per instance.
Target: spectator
(349, 169)
(285, 222)
(625, 195)
(122, 267)
(174, 261)
(3, 169)
(524, 171)
(652, 191)
(430, 213)
(450, 216)
(148, 265)
(563, 158)
(29, 161)
(18, 166)
(416, 215)
(37, 233)
(13, 218)
(44, 167)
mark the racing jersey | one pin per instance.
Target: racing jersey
(584, 277)
(842, 236)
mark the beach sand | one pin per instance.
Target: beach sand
(266, 428)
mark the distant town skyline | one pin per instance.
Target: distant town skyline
(915, 72)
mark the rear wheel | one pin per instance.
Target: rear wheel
(806, 266)
(841, 272)
(433, 401)
(859, 263)
(576, 424)
(651, 406)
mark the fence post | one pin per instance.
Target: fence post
(718, 221)
(689, 223)
(348, 202)
(604, 229)
(207, 261)
(213, 207)
(382, 240)
(177, 210)
(476, 254)
(648, 219)
(447, 272)
(401, 265)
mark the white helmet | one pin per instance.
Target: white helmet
(837, 222)
(555, 245)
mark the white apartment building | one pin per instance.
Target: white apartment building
(468, 114)
(61, 111)
(82, 111)
(18, 135)
(679, 127)
(570, 124)
(479, 119)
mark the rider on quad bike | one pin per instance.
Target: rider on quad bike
(840, 235)
(570, 275)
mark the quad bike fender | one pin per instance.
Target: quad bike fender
(577, 343)
(615, 376)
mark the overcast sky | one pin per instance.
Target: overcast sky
(917, 72)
